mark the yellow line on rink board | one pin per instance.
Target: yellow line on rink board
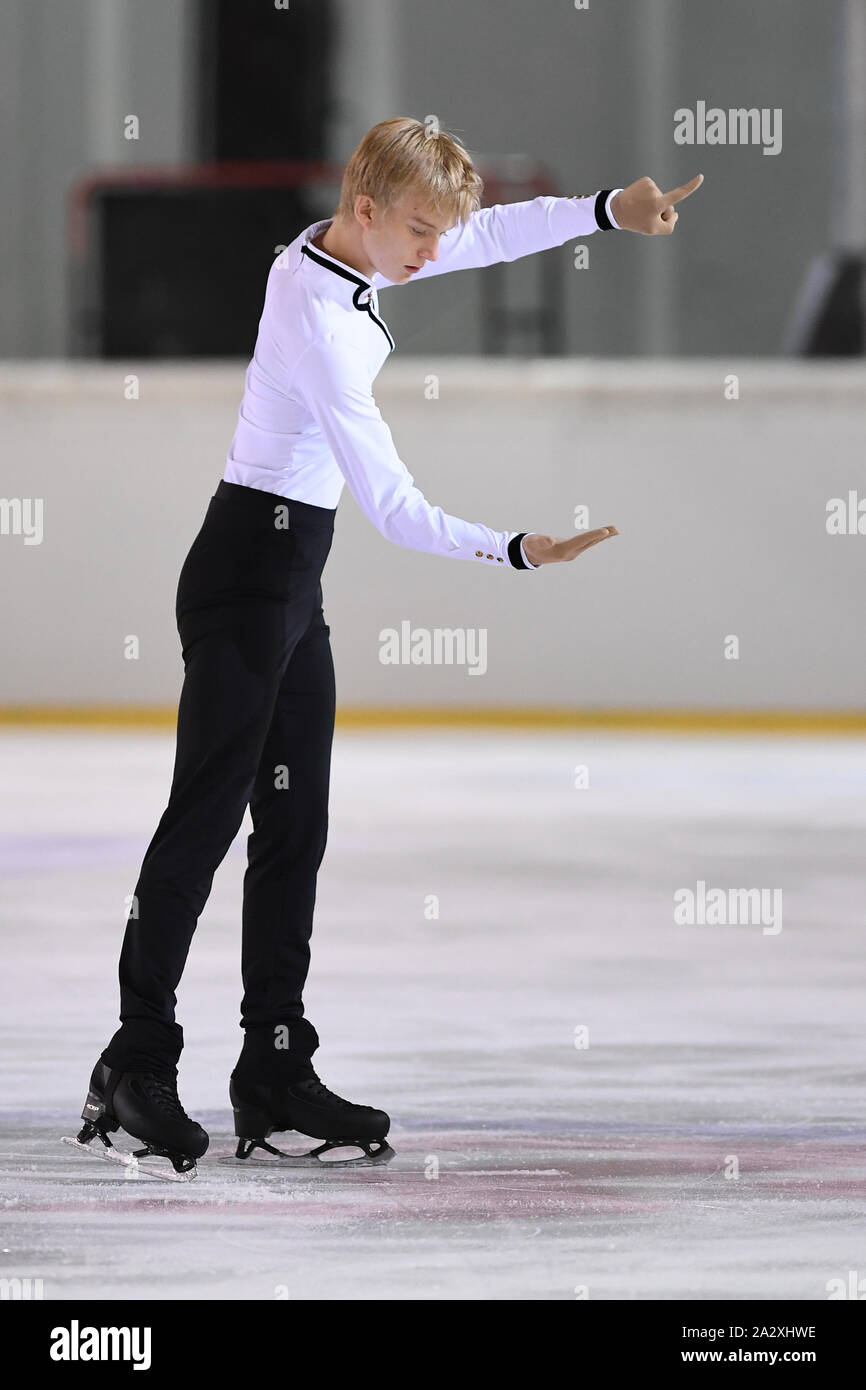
(765, 721)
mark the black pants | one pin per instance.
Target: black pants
(255, 725)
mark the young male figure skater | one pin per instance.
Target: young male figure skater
(256, 713)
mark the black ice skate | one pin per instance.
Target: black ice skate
(146, 1105)
(306, 1105)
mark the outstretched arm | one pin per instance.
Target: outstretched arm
(330, 379)
(511, 230)
(508, 231)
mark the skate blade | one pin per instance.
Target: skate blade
(277, 1158)
(133, 1166)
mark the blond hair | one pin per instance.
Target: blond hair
(405, 155)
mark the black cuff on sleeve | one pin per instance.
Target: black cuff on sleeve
(601, 217)
(514, 554)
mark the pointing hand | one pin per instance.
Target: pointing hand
(642, 207)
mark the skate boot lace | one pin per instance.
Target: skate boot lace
(319, 1091)
(163, 1092)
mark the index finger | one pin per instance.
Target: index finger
(677, 194)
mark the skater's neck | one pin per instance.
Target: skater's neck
(345, 244)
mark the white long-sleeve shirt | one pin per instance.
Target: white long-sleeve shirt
(308, 423)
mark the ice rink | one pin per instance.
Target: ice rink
(588, 1098)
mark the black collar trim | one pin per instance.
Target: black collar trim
(355, 280)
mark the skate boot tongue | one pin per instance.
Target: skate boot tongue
(278, 1055)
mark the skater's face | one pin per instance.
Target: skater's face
(400, 239)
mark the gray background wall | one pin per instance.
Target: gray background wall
(593, 93)
(590, 93)
(70, 71)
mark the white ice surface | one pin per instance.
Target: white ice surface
(558, 1167)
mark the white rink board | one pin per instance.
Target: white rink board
(721, 505)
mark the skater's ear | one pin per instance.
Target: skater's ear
(365, 210)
